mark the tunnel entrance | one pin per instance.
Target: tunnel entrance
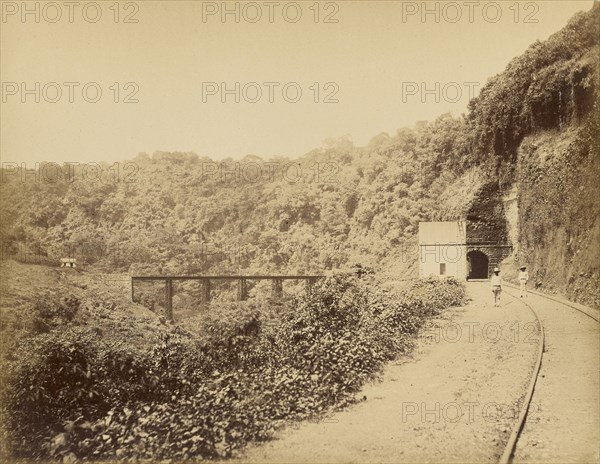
(478, 264)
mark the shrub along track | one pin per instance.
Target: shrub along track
(564, 388)
(557, 413)
(455, 399)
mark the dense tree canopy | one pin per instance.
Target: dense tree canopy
(337, 205)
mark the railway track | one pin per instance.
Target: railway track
(559, 300)
(509, 450)
(454, 371)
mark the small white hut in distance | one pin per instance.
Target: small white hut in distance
(443, 249)
(68, 262)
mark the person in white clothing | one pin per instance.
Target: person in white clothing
(523, 279)
(496, 286)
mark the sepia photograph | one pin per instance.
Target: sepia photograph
(311, 231)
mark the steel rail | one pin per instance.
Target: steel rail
(509, 449)
(557, 300)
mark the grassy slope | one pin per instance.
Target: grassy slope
(105, 303)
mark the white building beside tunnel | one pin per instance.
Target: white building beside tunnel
(443, 249)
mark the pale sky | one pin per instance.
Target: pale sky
(369, 56)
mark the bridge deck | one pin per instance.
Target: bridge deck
(277, 283)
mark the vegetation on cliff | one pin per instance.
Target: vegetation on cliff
(338, 205)
(74, 391)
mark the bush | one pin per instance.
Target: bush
(50, 311)
(73, 395)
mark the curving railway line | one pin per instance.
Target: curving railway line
(523, 439)
(546, 380)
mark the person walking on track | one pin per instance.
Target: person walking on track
(523, 279)
(496, 286)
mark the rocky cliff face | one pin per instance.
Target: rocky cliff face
(536, 133)
(559, 213)
(486, 216)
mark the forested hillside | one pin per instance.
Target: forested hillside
(532, 131)
(176, 211)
